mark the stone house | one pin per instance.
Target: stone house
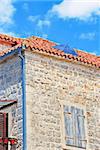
(49, 99)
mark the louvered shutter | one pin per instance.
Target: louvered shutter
(1, 124)
(3, 129)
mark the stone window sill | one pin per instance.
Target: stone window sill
(64, 147)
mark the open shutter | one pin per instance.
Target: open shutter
(1, 124)
(2, 130)
(68, 117)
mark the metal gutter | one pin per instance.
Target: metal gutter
(23, 99)
(16, 51)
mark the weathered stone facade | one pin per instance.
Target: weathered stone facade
(51, 82)
(11, 89)
(2, 47)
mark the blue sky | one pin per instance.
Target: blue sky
(73, 22)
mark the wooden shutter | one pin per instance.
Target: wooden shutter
(3, 125)
(3, 129)
(68, 117)
(80, 128)
(74, 126)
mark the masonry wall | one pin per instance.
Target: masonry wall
(3, 46)
(11, 89)
(49, 82)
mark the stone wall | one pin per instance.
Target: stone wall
(3, 47)
(11, 89)
(49, 82)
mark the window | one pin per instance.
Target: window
(7, 141)
(74, 124)
(3, 130)
(4, 139)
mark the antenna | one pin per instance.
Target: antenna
(66, 48)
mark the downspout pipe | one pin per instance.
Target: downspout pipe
(23, 99)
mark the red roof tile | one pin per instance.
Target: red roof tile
(10, 39)
(36, 43)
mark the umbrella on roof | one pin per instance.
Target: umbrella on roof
(66, 48)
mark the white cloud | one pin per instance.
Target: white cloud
(94, 53)
(6, 11)
(6, 16)
(87, 36)
(45, 36)
(5, 31)
(33, 18)
(98, 12)
(25, 6)
(79, 9)
(42, 23)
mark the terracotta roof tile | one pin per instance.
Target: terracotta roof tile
(46, 47)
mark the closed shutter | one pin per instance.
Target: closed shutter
(3, 129)
(80, 128)
(74, 126)
(69, 133)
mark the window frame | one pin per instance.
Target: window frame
(8, 110)
(64, 146)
